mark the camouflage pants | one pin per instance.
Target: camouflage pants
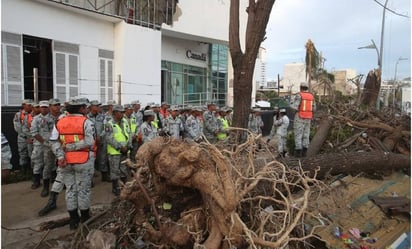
(281, 143)
(5, 157)
(135, 148)
(77, 178)
(43, 160)
(58, 182)
(117, 169)
(25, 149)
(301, 128)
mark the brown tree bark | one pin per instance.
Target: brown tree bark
(320, 136)
(353, 163)
(244, 62)
(371, 89)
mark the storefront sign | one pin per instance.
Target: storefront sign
(195, 55)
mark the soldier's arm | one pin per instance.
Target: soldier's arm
(87, 142)
(34, 129)
(55, 144)
(110, 137)
(16, 123)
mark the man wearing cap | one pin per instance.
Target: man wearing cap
(223, 125)
(163, 110)
(274, 127)
(255, 123)
(210, 128)
(118, 145)
(72, 141)
(193, 129)
(138, 115)
(5, 157)
(173, 124)
(22, 122)
(36, 109)
(303, 105)
(42, 158)
(98, 119)
(157, 122)
(147, 132)
(131, 120)
(282, 125)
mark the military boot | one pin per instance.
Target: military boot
(84, 215)
(51, 204)
(298, 153)
(36, 181)
(123, 179)
(74, 219)
(304, 152)
(115, 187)
(46, 185)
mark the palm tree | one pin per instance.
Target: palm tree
(312, 61)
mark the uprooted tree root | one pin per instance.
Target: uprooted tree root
(186, 195)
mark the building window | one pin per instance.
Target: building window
(218, 73)
(11, 66)
(183, 84)
(106, 80)
(66, 57)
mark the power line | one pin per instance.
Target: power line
(392, 11)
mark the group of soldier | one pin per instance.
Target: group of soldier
(65, 144)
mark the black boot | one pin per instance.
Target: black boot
(53, 176)
(74, 219)
(51, 204)
(284, 154)
(298, 153)
(36, 181)
(115, 187)
(84, 215)
(304, 152)
(105, 177)
(46, 185)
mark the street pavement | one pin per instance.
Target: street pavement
(20, 206)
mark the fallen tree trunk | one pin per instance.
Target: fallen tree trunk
(352, 163)
(320, 136)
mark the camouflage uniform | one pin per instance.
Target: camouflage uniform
(174, 126)
(148, 132)
(5, 153)
(76, 177)
(193, 128)
(255, 124)
(117, 170)
(43, 159)
(282, 125)
(210, 127)
(101, 153)
(25, 148)
(301, 126)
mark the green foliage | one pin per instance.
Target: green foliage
(290, 141)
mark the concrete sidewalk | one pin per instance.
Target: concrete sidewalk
(19, 212)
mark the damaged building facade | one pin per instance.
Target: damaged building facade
(151, 50)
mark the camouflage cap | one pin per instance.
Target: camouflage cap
(43, 103)
(111, 102)
(304, 84)
(135, 102)
(54, 102)
(36, 104)
(282, 110)
(78, 101)
(118, 108)
(148, 113)
(27, 102)
(127, 106)
(95, 102)
(174, 108)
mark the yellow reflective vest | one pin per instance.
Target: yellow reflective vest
(225, 126)
(120, 134)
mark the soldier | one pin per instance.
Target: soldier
(5, 158)
(98, 119)
(72, 141)
(118, 145)
(303, 105)
(210, 128)
(163, 110)
(223, 125)
(36, 109)
(173, 124)
(157, 122)
(22, 121)
(138, 116)
(193, 125)
(147, 131)
(255, 123)
(43, 159)
(131, 121)
(282, 125)
(274, 127)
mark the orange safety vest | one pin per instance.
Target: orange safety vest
(71, 130)
(305, 107)
(29, 118)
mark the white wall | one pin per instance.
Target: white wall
(138, 61)
(293, 75)
(174, 49)
(39, 19)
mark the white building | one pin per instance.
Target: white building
(117, 50)
(406, 100)
(293, 75)
(343, 83)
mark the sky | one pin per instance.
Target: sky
(338, 28)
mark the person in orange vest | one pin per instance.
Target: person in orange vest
(304, 106)
(22, 122)
(72, 141)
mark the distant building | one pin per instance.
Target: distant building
(293, 75)
(406, 100)
(343, 83)
(259, 74)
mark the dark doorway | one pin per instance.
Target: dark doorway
(37, 53)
